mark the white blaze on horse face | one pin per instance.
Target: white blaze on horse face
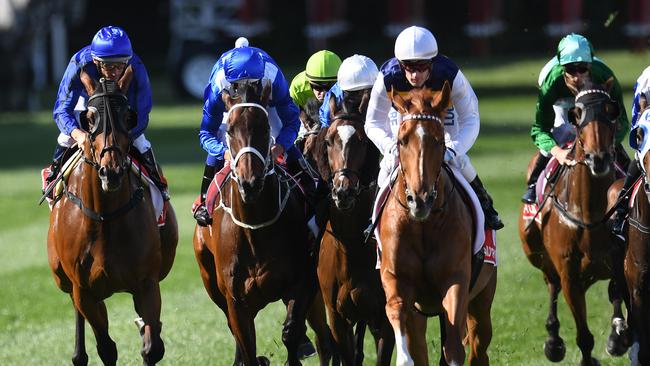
(403, 357)
(420, 132)
(345, 133)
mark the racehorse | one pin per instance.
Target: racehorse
(426, 232)
(349, 282)
(103, 236)
(570, 242)
(256, 249)
(637, 253)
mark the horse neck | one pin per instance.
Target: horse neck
(251, 212)
(585, 193)
(351, 223)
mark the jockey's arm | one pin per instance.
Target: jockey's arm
(540, 131)
(213, 110)
(377, 125)
(324, 111)
(623, 127)
(287, 111)
(465, 102)
(70, 90)
(143, 101)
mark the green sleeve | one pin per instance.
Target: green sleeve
(300, 90)
(601, 74)
(540, 132)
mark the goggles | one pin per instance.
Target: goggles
(576, 69)
(415, 66)
(112, 66)
(322, 86)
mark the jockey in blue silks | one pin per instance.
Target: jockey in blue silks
(249, 65)
(108, 56)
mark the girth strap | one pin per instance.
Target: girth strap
(137, 196)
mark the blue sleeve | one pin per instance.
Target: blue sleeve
(69, 91)
(213, 110)
(635, 106)
(324, 112)
(143, 101)
(287, 111)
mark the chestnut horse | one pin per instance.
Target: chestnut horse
(256, 250)
(349, 281)
(103, 236)
(571, 243)
(426, 232)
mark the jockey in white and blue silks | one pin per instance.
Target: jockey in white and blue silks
(245, 64)
(357, 73)
(417, 64)
(108, 56)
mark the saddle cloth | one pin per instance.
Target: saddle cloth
(485, 239)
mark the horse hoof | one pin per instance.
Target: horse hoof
(263, 361)
(554, 349)
(617, 344)
(592, 362)
(305, 350)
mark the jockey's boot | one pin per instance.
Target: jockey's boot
(57, 162)
(201, 213)
(492, 219)
(623, 200)
(538, 168)
(149, 162)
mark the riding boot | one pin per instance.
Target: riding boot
(492, 219)
(540, 164)
(622, 206)
(149, 162)
(50, 173)
(201, 213)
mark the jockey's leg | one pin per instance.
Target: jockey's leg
(149, 162)
(57, 160)
(463, 164)
(622, 208)
(538, 168)
(212, 165)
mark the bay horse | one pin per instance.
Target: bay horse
(637, 250)
(426, 232)
(103, 236)
(570, 242)
(256, 250)
(348, 279)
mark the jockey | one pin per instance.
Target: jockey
(417, 64)
(318, 77)
(108, 56)
(639, 104)
(249, 64)
(559, 82)
(356, 76)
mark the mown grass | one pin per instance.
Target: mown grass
(37, 320)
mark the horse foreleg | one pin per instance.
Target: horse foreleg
(399, 302)
(147, 302)
(574, 294)
(80, 357)
(455, 303)
(294, 326)
(619, 338)
(168, 241)
(479, 323)
(384, 340)
(242, 326)
(318, 322)
(359, 336)
(344, 336)
(554, 347)
(95, 313)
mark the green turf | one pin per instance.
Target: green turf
(37, 320)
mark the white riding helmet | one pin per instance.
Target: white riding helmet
(357, 72)
(415, 43)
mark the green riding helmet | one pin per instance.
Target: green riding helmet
(322, 67)
(574, 48)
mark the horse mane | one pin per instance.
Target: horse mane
(312, 110)
(322, 160)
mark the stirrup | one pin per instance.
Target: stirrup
(530, 194)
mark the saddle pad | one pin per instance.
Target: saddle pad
(635, 191)
(477, 211)
(530, 212)
(549, 171)
(159, 206)
(214, 189)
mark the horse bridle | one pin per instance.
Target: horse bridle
(345, 171)
(266, 161)
(434, 189)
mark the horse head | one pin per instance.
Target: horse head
(108, 120)
(348, 159)
(248, 136)
(642, 136)
(595, 120)
(421, 146)
(310, 120)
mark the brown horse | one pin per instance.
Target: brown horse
(571, 244)
(103, 237)
(256, 250)
(349, 281)
(637, 252)
(426, 232)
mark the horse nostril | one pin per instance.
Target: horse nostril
(589, 157)
(102, 172)
(428, 199)
(410, 198)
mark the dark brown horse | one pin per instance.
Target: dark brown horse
(256, 251)
(103, 236)
(349, 281)
(637, 253)
(571, 244)
(426, 232)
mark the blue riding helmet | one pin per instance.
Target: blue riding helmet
(244, 63)
(111, 44)
(574, 48)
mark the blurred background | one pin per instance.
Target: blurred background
(179, 40)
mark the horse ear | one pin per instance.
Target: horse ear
(228, 101)
(639, 136)
(441, 102)
(126, 79)
(399, 102)
(363, 106)
(266, 93)
(609, 84)
(89, 83)
(643, 103)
